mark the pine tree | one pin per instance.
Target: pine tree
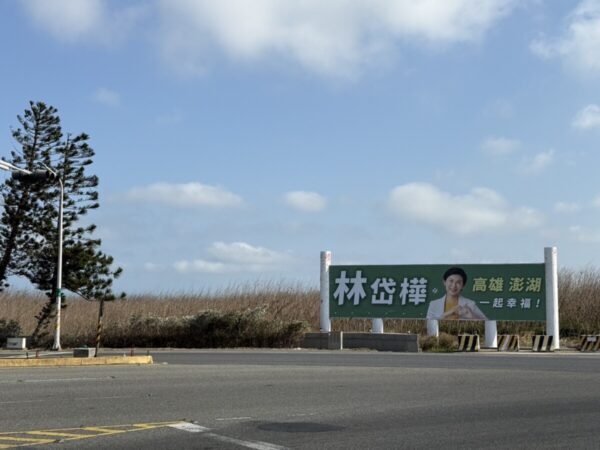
(38, 136)
(87, 271)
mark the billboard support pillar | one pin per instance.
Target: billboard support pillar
(325, 324)
(433, 328)
(377, 326)
(552, 325)
(491, 334)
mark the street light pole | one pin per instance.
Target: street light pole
(56, 345)
(35, 176)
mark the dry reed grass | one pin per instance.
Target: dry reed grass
(278, 304)
(579, 294)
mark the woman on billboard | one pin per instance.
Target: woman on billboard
(453, 306)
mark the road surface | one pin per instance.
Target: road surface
(308, 400)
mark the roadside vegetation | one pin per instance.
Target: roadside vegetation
(270, 315)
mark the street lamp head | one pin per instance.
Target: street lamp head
(5, 165)
(35, 177)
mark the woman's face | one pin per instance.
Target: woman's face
(454, 285)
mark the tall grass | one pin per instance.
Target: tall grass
(266, 315)
(269, 315)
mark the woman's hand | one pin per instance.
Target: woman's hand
(460, 312)
(465, 312)
(451, 313)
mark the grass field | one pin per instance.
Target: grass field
(269, 312)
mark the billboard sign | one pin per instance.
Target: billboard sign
(515, 292)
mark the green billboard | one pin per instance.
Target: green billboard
(441, 292)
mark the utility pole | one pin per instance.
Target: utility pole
(37, 177)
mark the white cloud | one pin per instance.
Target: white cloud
(537, 164)
(580, 45)
(245, 254)
(305, 201)
(77, 20)
(199, 266)
(107, 97)
(585, 235)
(481, 210)
(235, 257)
(596, 202)
(567, 207)
(67, 20)
(499, 146)
(184, 195)
(588, 117)
(334, 37)
(153, 267)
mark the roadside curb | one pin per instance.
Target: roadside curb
(55, 362)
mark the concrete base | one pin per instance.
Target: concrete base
(16, 343)
(389, 342)
(84, 352)
(323, 341)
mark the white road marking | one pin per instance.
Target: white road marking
(256, 445)
(58, 380)
(234, 418)
(190, 427)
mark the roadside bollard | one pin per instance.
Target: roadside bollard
(37, 354)
(131, 352)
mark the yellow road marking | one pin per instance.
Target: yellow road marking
(103, 430)
(70, 434)
(54, 433)
(20, 439)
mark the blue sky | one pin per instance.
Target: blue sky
(236, 139)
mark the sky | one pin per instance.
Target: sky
(236, 139)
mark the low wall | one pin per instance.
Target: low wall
(323, 341)
(390, 342)
(387, 342)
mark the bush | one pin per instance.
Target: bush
(443, 343)
(8, 329)
(207, 329)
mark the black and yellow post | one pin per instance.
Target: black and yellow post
(542, 343)
(99, 329)
(508, 343)
(590, 343)
(468, 343)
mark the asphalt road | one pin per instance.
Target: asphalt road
(308, 400)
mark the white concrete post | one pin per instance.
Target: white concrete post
(325, 263)
(433, 328)
(552, 326)
(377, 326)
(491, 334)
